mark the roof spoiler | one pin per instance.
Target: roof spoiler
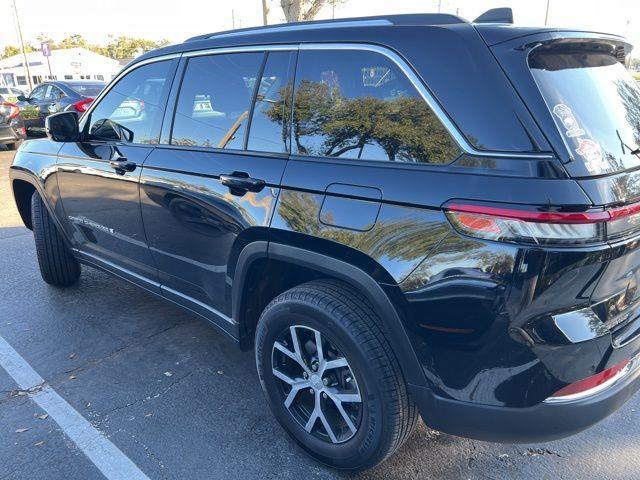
(496, 15)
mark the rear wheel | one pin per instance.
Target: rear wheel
(330, 375)
(57, 264)
(13, 146)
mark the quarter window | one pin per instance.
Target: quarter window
(360, 104)
(270, 121)
(132, 110)
(215, 100)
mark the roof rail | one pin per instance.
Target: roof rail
(388, 20)
(496, 15)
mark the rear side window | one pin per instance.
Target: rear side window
(132, 110)
(594, 102)
(360, 104)
(270, 121)
(215, 100)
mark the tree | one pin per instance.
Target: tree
(303, 10)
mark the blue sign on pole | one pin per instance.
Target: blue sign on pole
(46, 49)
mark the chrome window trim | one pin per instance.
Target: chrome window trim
(426, 95)
(241, 49)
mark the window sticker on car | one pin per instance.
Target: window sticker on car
(592, 153)
(569, 121)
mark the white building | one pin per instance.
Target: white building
(68, 64)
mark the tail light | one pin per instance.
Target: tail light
(82, 105)
(541, 226)
(10, 110)
(591, 385)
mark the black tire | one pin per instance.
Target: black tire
(13, 146)
(57, 265)
(344, 316)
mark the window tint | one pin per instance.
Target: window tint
(214, 100)
(132, 110)
(38, 92)
(269, 123)
(358, 104)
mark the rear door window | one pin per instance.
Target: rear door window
(595, 103)
(270, 120)
(215, 100)
(360, 104)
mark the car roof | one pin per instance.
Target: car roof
(366, 27)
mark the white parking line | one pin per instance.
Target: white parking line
(110, 460)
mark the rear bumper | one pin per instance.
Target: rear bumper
(542, 422)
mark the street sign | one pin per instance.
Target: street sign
(46, 49)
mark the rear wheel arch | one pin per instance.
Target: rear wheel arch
(293, 266)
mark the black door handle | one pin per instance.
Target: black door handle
(122, 165)
(240, 183)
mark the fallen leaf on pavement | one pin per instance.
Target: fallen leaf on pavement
(72, 356)
(168, 374)
(72, 377)
(21, 430)
(44, 416)
(39, 444)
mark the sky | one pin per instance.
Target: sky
(178, 20)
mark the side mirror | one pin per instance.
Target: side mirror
(62, 127)
(22, 98)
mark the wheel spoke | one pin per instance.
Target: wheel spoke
(327, 426)
(319, 352)
(342, 411)
(294, 392)
(314, 415)
(295, 356)
(337, 363)
(283, 377)
(348, 397)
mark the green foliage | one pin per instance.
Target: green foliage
(325, 123)
(118, 48)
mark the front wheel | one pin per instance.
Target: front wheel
(57, 264)
(330, 376)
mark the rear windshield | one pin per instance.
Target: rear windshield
(87, 90)
(595, 103)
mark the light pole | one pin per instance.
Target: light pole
(24, 53)
(546, 13)
(265, 12)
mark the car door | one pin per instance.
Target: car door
(212, 183)
(98, 176)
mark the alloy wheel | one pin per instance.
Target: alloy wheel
(317, 385)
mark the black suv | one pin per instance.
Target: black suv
(404, 214)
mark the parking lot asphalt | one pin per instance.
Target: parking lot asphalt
(182, 402)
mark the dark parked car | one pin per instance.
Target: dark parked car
(403, 214)
(56, 96)
(12, 130)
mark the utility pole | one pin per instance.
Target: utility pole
(24, 53)
(233, 19)
(439, 6)
(265, 11)
(546, 14)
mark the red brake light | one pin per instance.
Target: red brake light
(11, 110)
(82, 105)
(589, 383)
(521, 224)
